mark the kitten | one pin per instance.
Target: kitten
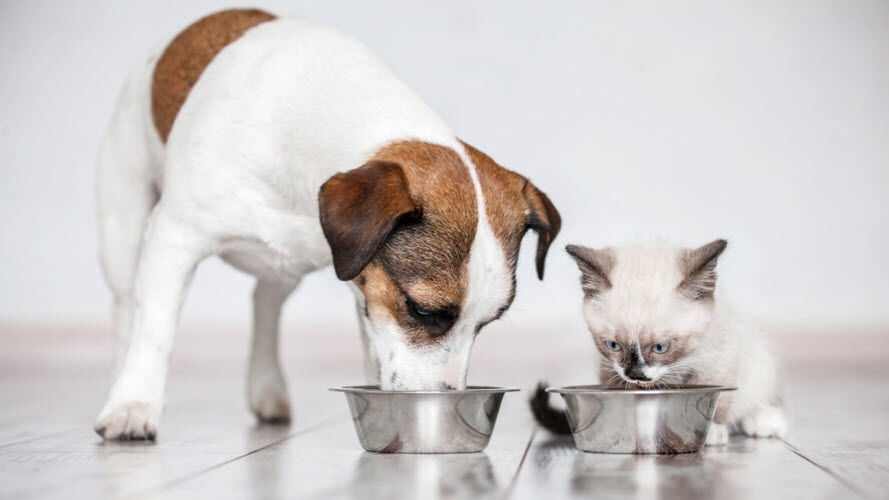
(656, 322)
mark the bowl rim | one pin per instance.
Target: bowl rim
(470, 389)
(601, 389)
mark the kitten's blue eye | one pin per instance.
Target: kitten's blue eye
(614, 346)
(661, 347)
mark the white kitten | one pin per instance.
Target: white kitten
(656, 322)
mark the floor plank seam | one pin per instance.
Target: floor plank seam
(38, 438)
(193, 475)
(515, 477)
(826, 469)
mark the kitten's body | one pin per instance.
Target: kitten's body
(656, 322)
(733, 353)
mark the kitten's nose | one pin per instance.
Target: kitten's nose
(635, 373)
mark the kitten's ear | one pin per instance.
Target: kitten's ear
(699, 268)
(595, 266)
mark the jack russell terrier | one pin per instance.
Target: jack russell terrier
(281, 147)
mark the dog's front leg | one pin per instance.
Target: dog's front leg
(169, 255)
(266, 388)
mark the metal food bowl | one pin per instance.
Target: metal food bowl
(608, 420)
(447, 421)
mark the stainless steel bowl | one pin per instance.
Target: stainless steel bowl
(424, 421)
(607, 420)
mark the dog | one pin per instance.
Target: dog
(283, 147)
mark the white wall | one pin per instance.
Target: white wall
(763, 122)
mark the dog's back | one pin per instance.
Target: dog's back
(185, 58)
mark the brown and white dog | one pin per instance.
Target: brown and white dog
(282, 146)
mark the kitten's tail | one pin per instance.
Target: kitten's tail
(550, 418)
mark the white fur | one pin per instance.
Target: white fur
(717, 435)
(273, 116)
(725, 350)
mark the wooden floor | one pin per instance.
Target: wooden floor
(52, 382)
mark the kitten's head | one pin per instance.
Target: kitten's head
(646, 308)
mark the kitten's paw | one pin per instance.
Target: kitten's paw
(269, 400)
(128, 420)
(717, 435)
(764, 423)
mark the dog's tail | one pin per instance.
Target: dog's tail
(550, 418)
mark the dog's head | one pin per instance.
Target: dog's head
(431, 269)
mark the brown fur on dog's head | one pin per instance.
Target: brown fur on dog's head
(404, 227)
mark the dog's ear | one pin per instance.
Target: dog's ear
(358, 210)
(595, 267)
(699, 267)
(544, 219)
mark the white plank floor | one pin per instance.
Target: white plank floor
(52, 382)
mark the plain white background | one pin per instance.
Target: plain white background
(763, 122)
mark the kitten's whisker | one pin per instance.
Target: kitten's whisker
(611, 380)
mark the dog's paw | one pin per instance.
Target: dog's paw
(764, 423)
(717, 435)
(128, 420)
(269, 400)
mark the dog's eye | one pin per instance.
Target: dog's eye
(437, 320)
(614, 346)
(661, 347)
(416, 310)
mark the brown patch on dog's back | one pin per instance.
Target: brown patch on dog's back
(185, 58)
